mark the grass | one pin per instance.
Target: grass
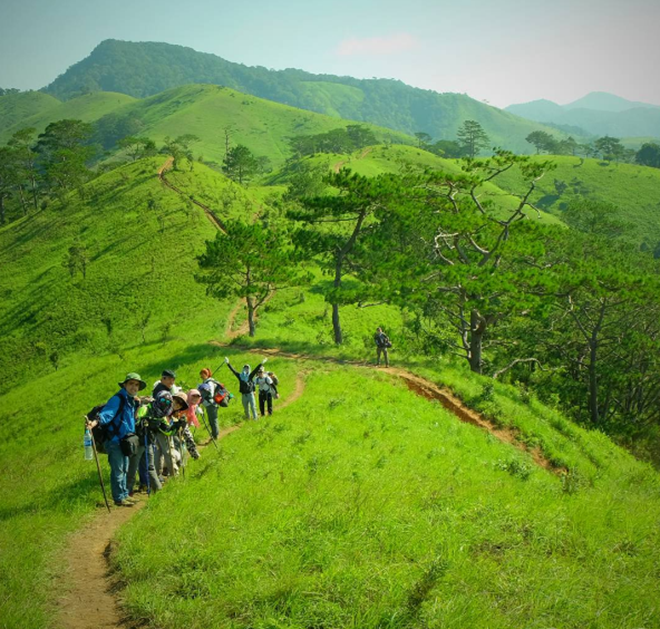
(634, 190)
(47, 489)
(141, 250)
(87, 108)
(208, 110)
(363, 505)
(15, 108)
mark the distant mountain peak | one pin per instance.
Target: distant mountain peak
(604, 101)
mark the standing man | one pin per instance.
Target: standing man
(163, 440)
(382, 345)
(207, 391)
(118, 416)
(267, 390)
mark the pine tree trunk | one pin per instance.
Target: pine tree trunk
(593, 383)
(477, 329)
(33, 183)
(250, 313)
(336, 325)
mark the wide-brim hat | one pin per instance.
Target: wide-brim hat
(182, 399)
(133, 376)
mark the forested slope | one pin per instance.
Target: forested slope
(145, 69)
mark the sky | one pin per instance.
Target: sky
(504, 52)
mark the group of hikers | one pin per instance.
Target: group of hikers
(148, 437)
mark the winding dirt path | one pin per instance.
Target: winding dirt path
(431, 391)
(230, 333)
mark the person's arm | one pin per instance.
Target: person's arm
(231, 368)
(109, 410)
(254, 371)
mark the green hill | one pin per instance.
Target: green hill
(87, 108)
(207, 111)
(139, 237)
(16, 108)
(148, 68)
(603, 101)
(362, 504)
(634, 190)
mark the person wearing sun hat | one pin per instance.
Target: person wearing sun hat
(181, 406)
(118, 415)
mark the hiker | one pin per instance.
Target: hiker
(207, 390)
(163, 441)
(181, 408)
(162, 432)
(166, 382)
(267, 390)
(246, 387)
(382, 345)
(194, 397)
(146, 427)
(118, 416)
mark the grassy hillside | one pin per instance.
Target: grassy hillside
(140, 239)
(635, 190)
(16, 108)
(147, 68)
(86, 108)
(207, 110)
(360, 505)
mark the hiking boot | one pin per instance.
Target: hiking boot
(124, 503)
(132, 500)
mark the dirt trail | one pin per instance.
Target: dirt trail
(89, 602)
(338, 165)
(243, 329)
(431, 391)
(210, 214)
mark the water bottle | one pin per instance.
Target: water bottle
(89, 450)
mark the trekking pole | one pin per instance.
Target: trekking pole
(98, 469)
(211, 434)
(181, 446)
(146, 456)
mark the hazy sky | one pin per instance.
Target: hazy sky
(505, 52)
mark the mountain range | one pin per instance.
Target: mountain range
(148, 68)
(597, 113)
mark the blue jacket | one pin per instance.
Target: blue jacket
(124, 423)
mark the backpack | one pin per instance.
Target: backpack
(274, 378)
(101, 433)
(221, 396)
(217, 394)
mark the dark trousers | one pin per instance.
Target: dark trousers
(263, 399)
(382, 350)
